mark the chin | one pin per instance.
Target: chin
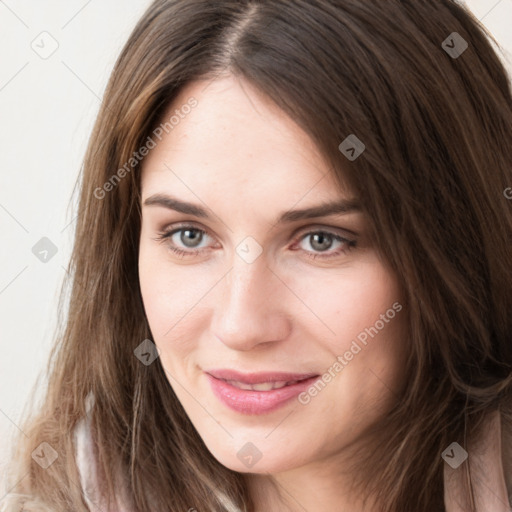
(248, 459)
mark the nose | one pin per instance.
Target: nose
(251, 309)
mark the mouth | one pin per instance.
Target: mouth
(260, 397)
(264, 386)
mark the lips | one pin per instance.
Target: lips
(257, 393)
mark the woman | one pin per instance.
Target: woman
(331, 327)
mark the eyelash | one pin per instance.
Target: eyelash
(163, 236)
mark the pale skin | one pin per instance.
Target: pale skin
(240, 158)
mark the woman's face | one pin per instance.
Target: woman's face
(252, 293)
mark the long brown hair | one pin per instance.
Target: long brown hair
(437, 130)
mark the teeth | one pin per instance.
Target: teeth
(265, 386)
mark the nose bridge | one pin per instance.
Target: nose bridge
(245, 287)
(250, 308)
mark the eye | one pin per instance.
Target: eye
(189, 236)
(323, 240)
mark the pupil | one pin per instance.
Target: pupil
(322, 237)
(185, 239)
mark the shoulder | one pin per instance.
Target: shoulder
(85, 459)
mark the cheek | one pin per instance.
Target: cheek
(154, 289)
(165, 293)
(375, 316)
(159, 295)
(366, 313)
(171, 302)
(347, 302)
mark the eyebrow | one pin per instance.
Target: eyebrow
(339, 207)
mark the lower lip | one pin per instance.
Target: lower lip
(256, 402)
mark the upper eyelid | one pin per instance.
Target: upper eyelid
(343, 232)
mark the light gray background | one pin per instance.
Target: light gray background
(47, 110)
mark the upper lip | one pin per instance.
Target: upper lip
(259, 378)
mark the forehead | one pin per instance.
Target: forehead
(234, 141)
